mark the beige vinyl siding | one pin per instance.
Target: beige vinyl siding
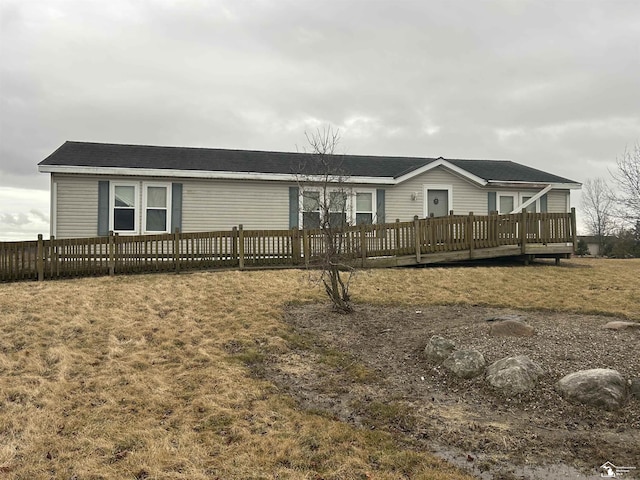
(76, 206)
(467, 197)
(222, 204)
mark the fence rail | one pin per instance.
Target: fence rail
(76, 257)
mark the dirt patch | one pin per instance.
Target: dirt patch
(369, 369)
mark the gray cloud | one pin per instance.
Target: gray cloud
(14, 219)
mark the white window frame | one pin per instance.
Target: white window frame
(513, 195)
(522, 200)
(436, 186)
(301, 203)
(136, 206)
(350, 207)
(374, 204)
(145, 207)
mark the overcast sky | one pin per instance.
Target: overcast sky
(551, 84)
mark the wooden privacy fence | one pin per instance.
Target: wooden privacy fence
(239, 248)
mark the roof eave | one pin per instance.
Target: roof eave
(520, 184)
(208, 174)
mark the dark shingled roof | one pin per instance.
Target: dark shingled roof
(86, 154)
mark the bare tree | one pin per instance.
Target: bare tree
(325, 199)
(627, 178)
(598, 206)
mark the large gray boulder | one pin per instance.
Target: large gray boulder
(514, 374)
(439, 348)
(465, 363)
(599, 387)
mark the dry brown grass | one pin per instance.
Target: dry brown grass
(147, 376)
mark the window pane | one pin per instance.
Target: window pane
(506, 205)
(364, 218)
(531, 208)
(157, 197)
(364, 202)
(156, 220)
(311, 201)
(125, 196)
(311, 220)
(123, 219)
(337, 220)
(337, 201)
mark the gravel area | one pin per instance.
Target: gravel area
(369, 369)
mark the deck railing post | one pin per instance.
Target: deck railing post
(470, 235)
(523, 231)
(39, 258)
(363, 244)
(295, 246)
(574, 234)
(306, 247)
(240, 247)
(176, 249)
(418, 238)
(54, 258)
(111, 262)
(396, 228)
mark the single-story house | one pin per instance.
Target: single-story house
(140, 189)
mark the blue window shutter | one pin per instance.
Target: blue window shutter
(294, 193)
(176, 206)
(492, 206)
(543, 203)
(380, 205)
(103, 208)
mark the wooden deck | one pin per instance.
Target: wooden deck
(419, 242)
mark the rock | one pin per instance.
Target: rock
(634, 387)
(511, 328)
(465, 363)
(439, 348)
(619, 325)
(600, 387)
(514, 374)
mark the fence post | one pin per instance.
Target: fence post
(363, 244)
(111, 261)
(306, 247)
(397, 232)
(417, 237)
(176, 249)
(240, 247)
(523, 231)
(295, 246)
(574, 235)
(470, 234)
(54, 258)
(40, 259)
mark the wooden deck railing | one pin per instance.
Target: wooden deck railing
(239, 248)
